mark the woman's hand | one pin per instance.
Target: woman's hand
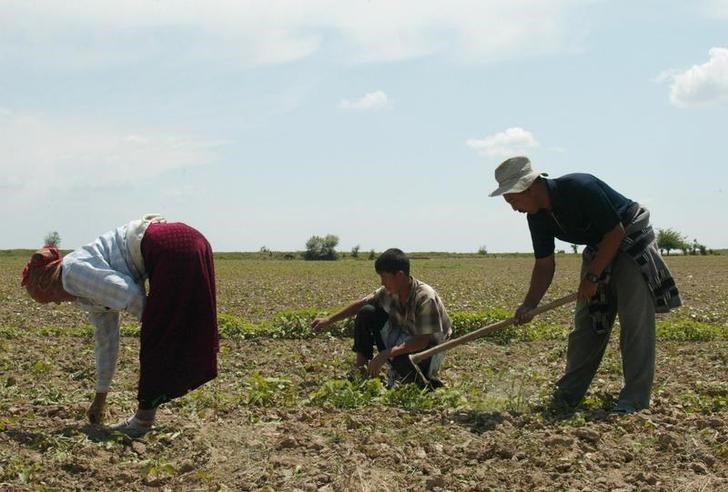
(95, 412)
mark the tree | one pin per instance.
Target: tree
(668, 239)
(52, 239)
(697, 248)
(321, 248)
(575, 248)
(483, 250)
(372, 254)
(355, 251)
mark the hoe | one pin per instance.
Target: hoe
(481, 332)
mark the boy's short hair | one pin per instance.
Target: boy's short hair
(392, 261)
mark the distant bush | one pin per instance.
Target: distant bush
(355, 251)
(321, 248)
(52, 239)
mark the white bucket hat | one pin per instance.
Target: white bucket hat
(515, 175)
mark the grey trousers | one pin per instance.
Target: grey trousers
(630, 298)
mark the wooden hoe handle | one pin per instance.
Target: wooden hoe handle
(481, 332)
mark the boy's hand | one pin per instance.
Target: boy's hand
(320, 323)
(375, 365)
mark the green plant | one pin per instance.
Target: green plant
(15, 467)
(41, 367)
(690, 331)
(705, 404)
(339, 393)
(158, 467)
(264, 391)
(707, 398)
(412, 396)
(599, 400)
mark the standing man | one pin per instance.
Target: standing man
(403, 316)
(622, 274)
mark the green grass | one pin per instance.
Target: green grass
(296, 324)
(690, 331)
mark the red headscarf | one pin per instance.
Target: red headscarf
(42, 275)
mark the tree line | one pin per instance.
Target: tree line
(324, 247)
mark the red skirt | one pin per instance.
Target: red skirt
(179, 339)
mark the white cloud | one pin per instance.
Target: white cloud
(503, 144)
(41, 152)
(251, 32)
(372, 101)
(700, 85)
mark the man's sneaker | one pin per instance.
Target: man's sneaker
(624, 408)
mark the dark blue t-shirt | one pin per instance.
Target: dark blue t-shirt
(583, 210)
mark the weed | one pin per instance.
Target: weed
(690, 331)
(15, 467)
(578, 419)
(158, 467)
(268, 391)
(41, 367)
(9, 332)
(296, 324)
(204, 399)
(599, 400)
(708, 398)
(340, 393)
(343, 394)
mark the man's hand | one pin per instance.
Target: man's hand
(95, 412)
(522, 314)
(375, 365)
(587, 290)
(320, 323)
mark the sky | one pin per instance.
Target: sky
(263, 123)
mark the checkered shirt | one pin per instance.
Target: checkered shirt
(422, 314)
(100, 275)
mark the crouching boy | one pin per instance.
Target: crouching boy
(403, 316)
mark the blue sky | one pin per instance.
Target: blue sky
(264, 123)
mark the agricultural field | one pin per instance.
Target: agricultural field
(283, 416)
